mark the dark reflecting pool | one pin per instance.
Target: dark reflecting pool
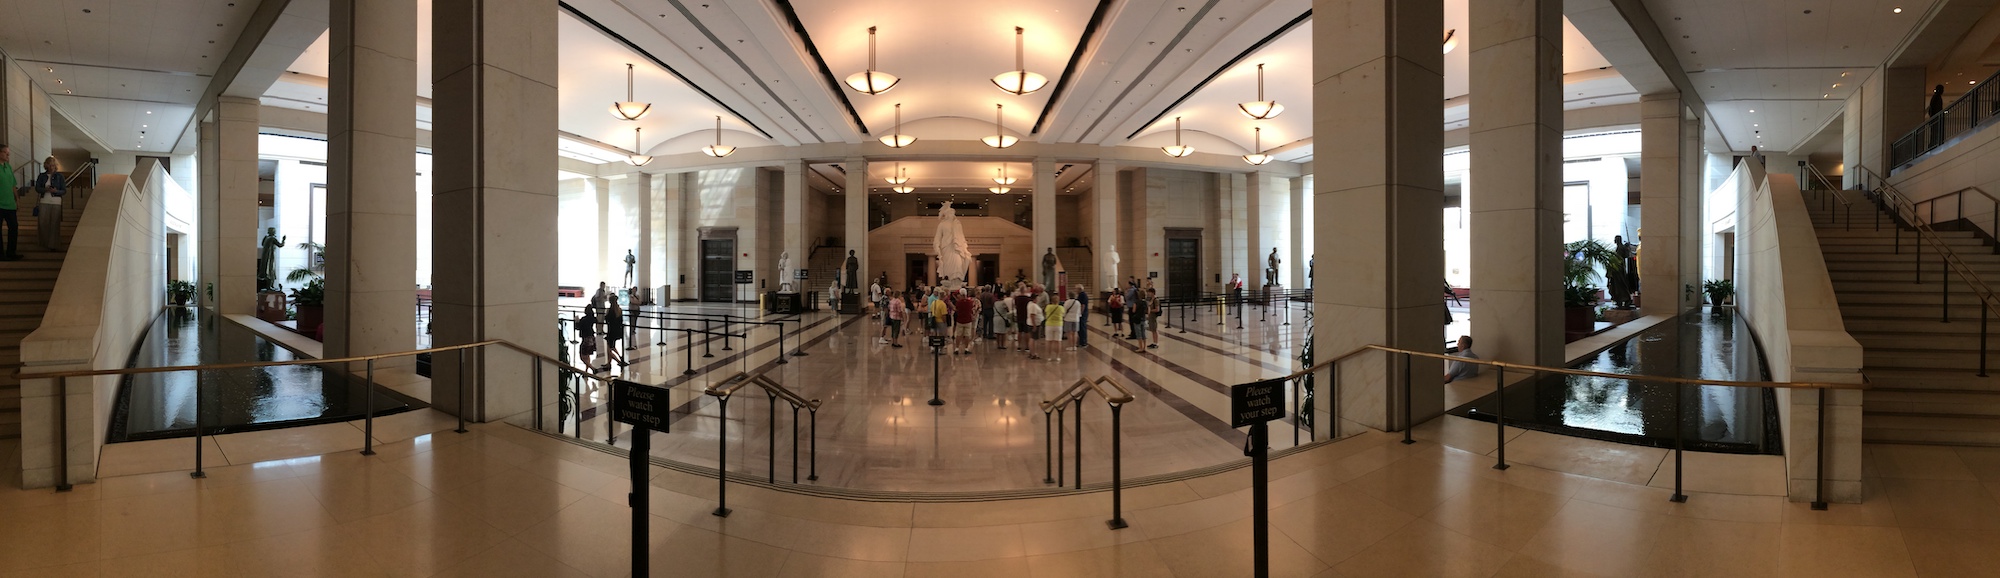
(162, 405)
(1697, 345)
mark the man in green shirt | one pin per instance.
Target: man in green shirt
(10, 244)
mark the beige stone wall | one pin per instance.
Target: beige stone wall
(890, 244)
(1973, 162)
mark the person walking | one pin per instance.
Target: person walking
(986, 313)
(50, 210)
(614, 329)
(895, 315)
(965, 317)
(586, 335)
(875, 299)
(10, 242)
(1153, 317)
(1053, 319)
(1072, 317)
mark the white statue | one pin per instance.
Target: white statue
(1113, 273)
(785, 271)
(949, 242)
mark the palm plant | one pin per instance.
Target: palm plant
(1581, 259)
(315, 266)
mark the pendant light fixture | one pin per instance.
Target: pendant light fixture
(1000, 176)
(999, 140)
(638, 158)
(897, 139)
(1177, 150)
(999, 190)
(630, 109)
(1257, 156)
(901, 175)
(1261, 109)
(872, 81)
(1019, 81)
(1450, 40)
(905, 189)
(718, 150)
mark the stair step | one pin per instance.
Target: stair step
(1960, 312)
(1930, 275)
(1962, 359)
(23, 309)
(1933, 402)
(1837, 258)
(1906, 264)
(1891, 238)
(1966, 342)
(19, 323)
(1906, 250)
(1931, 297)
(1897, 286)
(42, 285)
(1885, 233)
(1932, 379)
(1905, 326)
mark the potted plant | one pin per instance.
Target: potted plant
(311, 303)
(1718, 290)
(1580, 262)
(181, 292)
(315, 265)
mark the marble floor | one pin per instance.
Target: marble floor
(504, 501)
(876, 431)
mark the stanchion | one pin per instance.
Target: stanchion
(1408, 422)
(535, 364)
(726, 334)
(1079, 441)
(722, 461)
(1260, 500)
(1819, 458)
(690, 353)
(197, 473)
(368, 416)
(1678, 446)
(709, 337)
(771, 441)
(795, 443)
(62, 427)
(781, 344)
(1062, 410)
(1500, 415)
(461, 391)
(1117, 521)
(812, 412)
(1048, 431)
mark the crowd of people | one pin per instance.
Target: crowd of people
(599, 329)
(1026, 316)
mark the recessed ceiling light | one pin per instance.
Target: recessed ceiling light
(1897, 10)
(1843, 75)
(1754, 124)
(1751, 110)
(151, 112)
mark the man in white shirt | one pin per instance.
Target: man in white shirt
(1455, 370)
(1072, 322)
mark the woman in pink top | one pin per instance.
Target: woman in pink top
(896, 320)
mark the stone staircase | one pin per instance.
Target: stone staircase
(822, 268)
(1077, 262)
(25, 287)
(1923, 370)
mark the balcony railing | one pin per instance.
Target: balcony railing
(1976, 107)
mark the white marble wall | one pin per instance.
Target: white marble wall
(1517, 217)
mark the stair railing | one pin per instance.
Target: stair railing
(1906, 212)
(1070, 401)
(723, 391)
(1828, 195)
(70, 183)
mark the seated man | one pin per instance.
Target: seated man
(1456, 370)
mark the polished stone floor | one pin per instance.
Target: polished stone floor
(876, 431)
(502, 501)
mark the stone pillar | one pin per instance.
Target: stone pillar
(494, 78)
(1377, 200)
(671, 188)
(646, 214)
(1044, 204)
(1516, 222)
(1271, 212)
(1300, 252)
(609, 265)
(1105, 230)
(236, 234)
(371, 202)
(1233, 218)
(795, 223)
(856, 198)
(209, 192)
(1660, 208)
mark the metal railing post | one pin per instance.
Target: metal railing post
(1048, 449)
(795, 439)
(812, 473)
(1982, 336)
(1819, 459)
(1500, 415)
(722, 461)
(461, 393)
(197, 473)
(1062, 409)
(726, 335)
(1944, 287)
(781, 345)
(1079, 441)
(690, 353)
(771, 430)
(1679, 445)
(536, 364)
(368, 417)
(1409, 423)
(62, 434)
(710, 338)
(1117, 521)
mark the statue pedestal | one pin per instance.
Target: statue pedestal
(271, 306)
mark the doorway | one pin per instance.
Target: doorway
(988, 268)
(916, 270)
(1183, 263)
(718, 270)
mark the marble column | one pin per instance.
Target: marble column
(1232, 214)
(671, 188)
(371, 202)
(1105, 230)
(795, 222)
(1378, 95)
(855, 196)
(236, 235)
(1660, 211)
(1301, 254)
(1044, 203)
(209, 190)
(1271, 214)
(645, 213)
(494, 78)
(1516, 221)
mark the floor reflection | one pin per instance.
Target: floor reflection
(162, 405)
(1698, 345)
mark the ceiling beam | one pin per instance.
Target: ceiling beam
(260, 24)
(1625, 33)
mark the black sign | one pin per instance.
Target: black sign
(937, 340)
(746, 277)
(800, 274)
(1256, 402)
(639, 405)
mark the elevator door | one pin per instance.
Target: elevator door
(1183, 268)
(718, 270)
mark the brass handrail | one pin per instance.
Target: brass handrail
(1926, 233)
(1124, 396)
(761, 379)
(353, 359)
